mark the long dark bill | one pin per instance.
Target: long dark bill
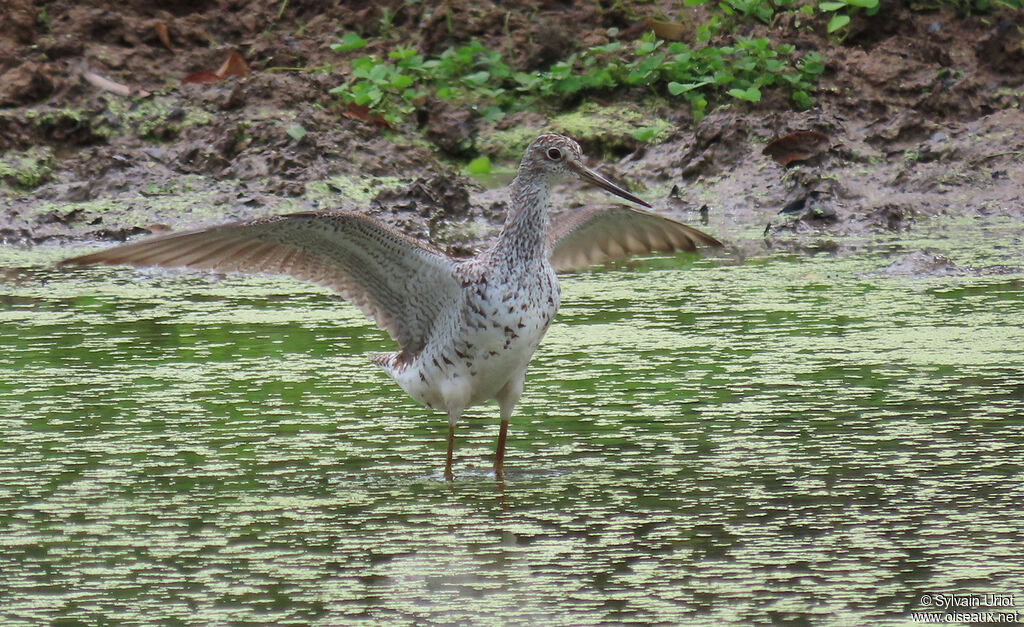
(593, 177)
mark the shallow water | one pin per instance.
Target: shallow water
(788, 439)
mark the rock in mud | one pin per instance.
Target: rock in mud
(922, 263)
(440, 195)
(27, 83)
(452, 129)
(1002, 47)
(719, 141)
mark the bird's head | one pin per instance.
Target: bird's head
(552, 157)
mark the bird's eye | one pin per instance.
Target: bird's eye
(554, 154)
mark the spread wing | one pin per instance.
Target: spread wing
(400, 283)
(594, 235)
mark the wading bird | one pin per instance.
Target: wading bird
(466, 328)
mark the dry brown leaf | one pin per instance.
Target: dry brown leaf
(797, 146)
(114, 87)
(234, 65)
(163, 36)
(361, 113)
(201, 77)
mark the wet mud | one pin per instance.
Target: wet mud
(920, 116)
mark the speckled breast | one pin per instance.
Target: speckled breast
(487, 342)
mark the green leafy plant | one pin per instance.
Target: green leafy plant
(764, 10)
(478, 77)
(392, 87)
(349, 41)
(843, 9)
(480, 165)
(741, 71)
(757, 9)
(761, 10)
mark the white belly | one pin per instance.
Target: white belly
(481, 348)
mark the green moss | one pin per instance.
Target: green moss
(171, 207)
(594, 121)
(50, 116)
(158, 117)
(359, 190)
(604, 126)
(26, 169)
(497, 177)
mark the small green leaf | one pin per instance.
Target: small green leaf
(401, 81)
(697, 107)
(675, 88)
(477, 78)
(838, 22)
(831, 6)
(751, 94)
(609, 47)
(645, 133)
(812, 63)
(480, 165)
(725, 78)
(402, 53)
(570, 84)
(349, 41)
(492, 113)
(648, 45)
(296, 132)
(374, 94)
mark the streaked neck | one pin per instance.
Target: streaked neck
(523, 238)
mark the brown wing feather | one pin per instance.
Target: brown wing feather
(594, 235)
(400, 283)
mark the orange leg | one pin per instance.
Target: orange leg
(499, 452)
(448, 476)
(507, 398)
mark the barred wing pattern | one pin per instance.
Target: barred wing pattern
(593, 235)
(400, 283)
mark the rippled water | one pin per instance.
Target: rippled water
(786, 439)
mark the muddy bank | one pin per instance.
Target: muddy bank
(921, 114)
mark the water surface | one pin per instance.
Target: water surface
(784, 439)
